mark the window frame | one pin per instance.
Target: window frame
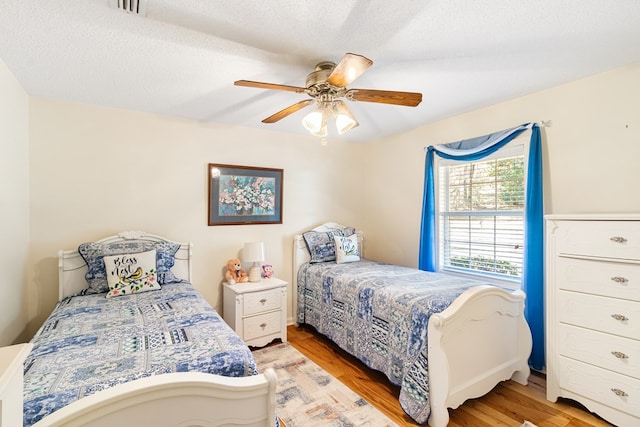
(519, 146)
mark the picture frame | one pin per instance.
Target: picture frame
(241, 195)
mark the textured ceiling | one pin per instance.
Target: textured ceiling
(181, 58)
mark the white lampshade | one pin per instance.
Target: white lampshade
(344, 119)
(315, 121)
(321, 132)
(254, 252)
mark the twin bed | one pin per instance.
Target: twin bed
(441, 338)
(167, 358)
(162, 357)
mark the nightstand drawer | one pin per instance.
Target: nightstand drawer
(261, 325)
(259, 302)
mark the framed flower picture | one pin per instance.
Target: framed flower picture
(244, 195)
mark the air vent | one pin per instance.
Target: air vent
(137, 7)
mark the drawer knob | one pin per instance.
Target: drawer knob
(618, 239)
(619, 279)
(620, 317)
(619, 355)
(620, 393)
(263, 300)
(263, 325)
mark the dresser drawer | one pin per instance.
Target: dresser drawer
(611, 389)
(611, 239)
(258, 302)
(261, 325)
(613, 279)
(611, 315)
(619, 354)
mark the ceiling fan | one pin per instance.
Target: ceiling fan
(327, 86)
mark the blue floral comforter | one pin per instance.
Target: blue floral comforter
(90, 343)
(379, 313)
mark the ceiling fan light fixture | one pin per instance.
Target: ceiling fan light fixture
(344, 124)
(321, 132)
(315, 121)
(344, 119)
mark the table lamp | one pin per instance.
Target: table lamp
(254, 252)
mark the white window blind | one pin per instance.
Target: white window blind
(482, 215)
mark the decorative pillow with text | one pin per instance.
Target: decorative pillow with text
(131, 273)
(347, 249)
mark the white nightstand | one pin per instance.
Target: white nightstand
(257, 311)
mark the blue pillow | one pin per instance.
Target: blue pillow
(321, 244)
(165, 259)
(93, 254)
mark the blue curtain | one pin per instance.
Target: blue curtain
(533, 271)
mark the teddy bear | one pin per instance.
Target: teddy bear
(267, 271)
(234, 273)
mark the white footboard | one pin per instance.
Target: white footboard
(482, 338)
(176, 399)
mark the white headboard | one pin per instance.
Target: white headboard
(72, 268)
(301, 256)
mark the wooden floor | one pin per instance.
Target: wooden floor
(508, 404)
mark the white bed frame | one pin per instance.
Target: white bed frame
(481, 339)
(176, 399)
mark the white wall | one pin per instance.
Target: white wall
(97, 171)
(14, 206)
(591, 157)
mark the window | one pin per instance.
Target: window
(481, 213)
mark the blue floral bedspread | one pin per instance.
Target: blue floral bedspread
(379, 313)
(90, 343)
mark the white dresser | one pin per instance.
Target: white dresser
(257, 311)
(593, 313)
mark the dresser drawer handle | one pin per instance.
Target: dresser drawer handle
(619, 279)
(619, 355)
(620, 317)
(619, 392)
(263, 300)
(618, 239)
(264, 325)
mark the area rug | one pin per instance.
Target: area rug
(308, 396)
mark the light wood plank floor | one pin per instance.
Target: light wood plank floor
(508, 404)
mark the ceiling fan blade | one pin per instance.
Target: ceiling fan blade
(409, 99)
(261, 85)
(287, 111)
(350, 67)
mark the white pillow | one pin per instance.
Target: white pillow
(347, 249)
(131, 273)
